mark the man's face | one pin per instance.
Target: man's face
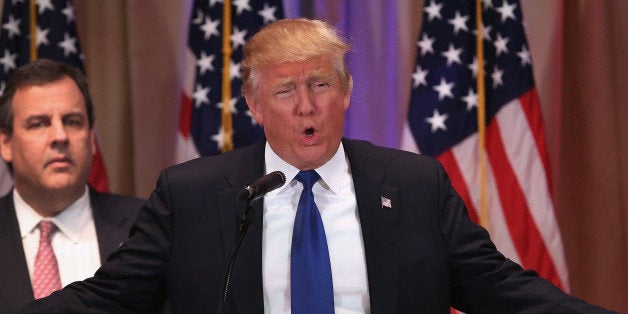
(52, 143)
(301, 106)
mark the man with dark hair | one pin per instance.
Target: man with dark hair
(54, 228)
(357, 228)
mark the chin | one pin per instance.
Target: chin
(312, 161)
(63, 184)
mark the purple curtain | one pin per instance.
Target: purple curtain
(381, 61)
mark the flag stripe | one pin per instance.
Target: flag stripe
(185, 149)
(98, 174)
(185, 115)
(521, 149)
(451, 164)
(532, 109)
(184, 146)
(466, 155)
(527, 239)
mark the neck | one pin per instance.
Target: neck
(50, 203)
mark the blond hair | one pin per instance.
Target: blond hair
(294, 40)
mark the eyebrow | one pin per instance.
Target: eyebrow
(316, 75)
(320, 74)
(37, 117)
(47, 117)
(283, 83)
(73, 115)
(328, 75)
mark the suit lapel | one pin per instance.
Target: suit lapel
(379, 221)
(15, 284)
(246, 283)
(108, 224)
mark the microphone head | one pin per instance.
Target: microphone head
(263, 185)
(281, 177)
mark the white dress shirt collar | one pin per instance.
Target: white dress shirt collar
(330, 172)
(70, 221)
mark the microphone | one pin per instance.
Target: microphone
(251, 192)
(263, 185)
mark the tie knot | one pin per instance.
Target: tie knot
(308, 178)
(46, 228)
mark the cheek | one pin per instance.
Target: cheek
(278, 113)
(83, 143)
(337, 108)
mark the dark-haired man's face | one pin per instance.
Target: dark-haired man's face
(52, 143)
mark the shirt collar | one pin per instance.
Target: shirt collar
(70, 221)
(331, 172)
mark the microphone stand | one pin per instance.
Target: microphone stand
(245, 222)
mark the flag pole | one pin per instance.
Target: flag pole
(481, 113)
(32, 26)
(226, 118)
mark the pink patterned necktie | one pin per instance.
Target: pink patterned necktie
(46, 278)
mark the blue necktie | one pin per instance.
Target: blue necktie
(310, 271)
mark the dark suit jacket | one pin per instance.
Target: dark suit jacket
(422, 255)
(113, 217)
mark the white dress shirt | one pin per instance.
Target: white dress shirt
(335, 198)
(75, 243)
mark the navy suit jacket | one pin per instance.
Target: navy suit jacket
(423, 254)
(113, 217)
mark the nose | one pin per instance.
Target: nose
(59, 134)
(306, 104)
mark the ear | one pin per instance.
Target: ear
(255, 109)
(5, 147)
(347, 98)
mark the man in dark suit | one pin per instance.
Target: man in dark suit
(396, 238)
(47, 137)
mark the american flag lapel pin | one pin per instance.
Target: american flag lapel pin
(386, 202)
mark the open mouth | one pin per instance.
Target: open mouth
(310, 136)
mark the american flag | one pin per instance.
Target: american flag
(443, 119)
(201, 130)
(56, 39)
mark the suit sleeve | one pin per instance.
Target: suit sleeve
(132, 280)
(482, 279)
